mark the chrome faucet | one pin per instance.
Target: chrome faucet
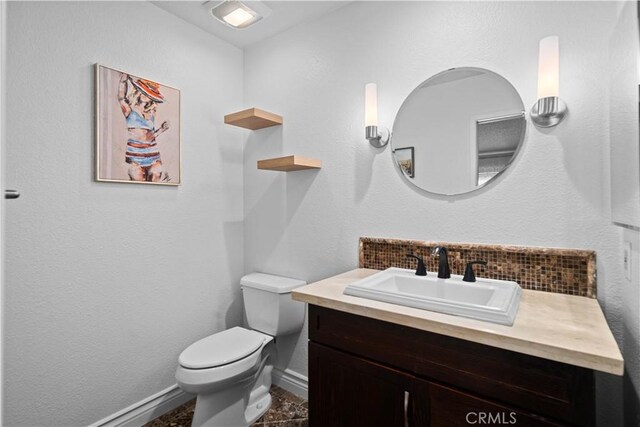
(443, 267)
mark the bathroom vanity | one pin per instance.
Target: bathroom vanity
(377, 364)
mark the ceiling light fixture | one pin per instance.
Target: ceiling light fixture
(238, 17)
(236, 14)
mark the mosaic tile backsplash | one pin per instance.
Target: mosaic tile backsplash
(564, 271)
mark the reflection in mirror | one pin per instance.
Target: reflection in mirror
(458, 130)
(498, 140)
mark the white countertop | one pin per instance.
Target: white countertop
(564, 328)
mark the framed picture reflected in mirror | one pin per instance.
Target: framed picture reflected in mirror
(406, 160)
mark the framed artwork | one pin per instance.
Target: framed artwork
(405, 159)
(137, 129)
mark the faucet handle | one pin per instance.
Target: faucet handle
(469, 276)
(421, 270)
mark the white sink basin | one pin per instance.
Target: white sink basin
(485, 299)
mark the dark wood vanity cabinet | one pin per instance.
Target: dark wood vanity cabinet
(366, 372)
(339, 380)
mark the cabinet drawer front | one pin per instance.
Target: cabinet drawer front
(447, 407)
(559, 390)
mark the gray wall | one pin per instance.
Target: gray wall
(557, 193)
(107, 283)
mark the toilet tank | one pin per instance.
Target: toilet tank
(268, 304)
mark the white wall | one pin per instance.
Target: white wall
(625, 158)
(631, 331)
(88, 333)
(625, 150)
(108, 283)
(3, 60)
(307, 224)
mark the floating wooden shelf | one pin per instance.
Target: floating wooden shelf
(253, 118)
(289, 164)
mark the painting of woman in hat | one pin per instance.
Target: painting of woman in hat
(139, 146)
(139, 108)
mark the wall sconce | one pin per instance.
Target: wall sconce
(377, 137)
(549, 110)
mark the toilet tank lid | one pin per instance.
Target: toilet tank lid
(271, 283)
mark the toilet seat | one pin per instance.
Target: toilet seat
(197, 380)
(222, 348)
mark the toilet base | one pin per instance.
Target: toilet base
(258, 409)
(259, 399)
(236, 406)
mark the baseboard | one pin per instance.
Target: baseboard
(170, 398)
(291, 381)
(147, 409)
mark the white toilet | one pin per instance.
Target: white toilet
(230, 371)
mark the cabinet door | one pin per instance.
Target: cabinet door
(345, 390)
(439, 406)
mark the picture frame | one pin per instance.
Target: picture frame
(137, 129)
(405, 159)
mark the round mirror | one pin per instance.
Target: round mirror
(458, 130)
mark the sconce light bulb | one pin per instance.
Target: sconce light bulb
(549, 67)
(371, 105)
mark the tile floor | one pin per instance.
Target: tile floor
(287, 410)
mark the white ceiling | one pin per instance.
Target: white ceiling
(284, 15)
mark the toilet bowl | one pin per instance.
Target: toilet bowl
(230, 371)
(229, 374)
